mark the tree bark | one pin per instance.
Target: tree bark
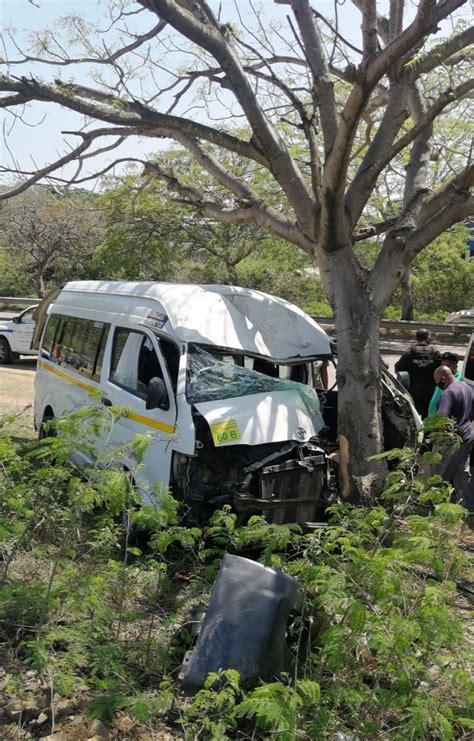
(360, 436)
(407, 297)
(232, 273)
(40, 285)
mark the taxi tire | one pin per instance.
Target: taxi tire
(43, 431)
(6, 355)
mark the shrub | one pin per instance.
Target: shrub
(379, 644)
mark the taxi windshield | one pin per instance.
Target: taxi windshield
(211, 379)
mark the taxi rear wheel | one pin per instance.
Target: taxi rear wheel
(5, 351)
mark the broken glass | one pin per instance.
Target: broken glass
(210, 379)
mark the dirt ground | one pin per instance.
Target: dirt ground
(17, 385)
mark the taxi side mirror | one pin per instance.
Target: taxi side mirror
(156, 397)
(403, 377)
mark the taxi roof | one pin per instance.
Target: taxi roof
(223, 316)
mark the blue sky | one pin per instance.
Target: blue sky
(42, 141)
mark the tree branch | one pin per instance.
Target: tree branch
(364, 180)
(251, 213)
(452, 203)
(316, 57)
(127, 113)
(366, 176)
(369, 29)
(13, 100)
(449, 96)
(223, 176)
(108, 59)
(417, 168)
(337, 34)
(193, 23)
(457, 209)
(281, 228)
(436, 200)
(374, 230)
(440, 53)
(428, 15)
(395, 22)
(87, 140)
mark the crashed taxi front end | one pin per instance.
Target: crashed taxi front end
(257, 446)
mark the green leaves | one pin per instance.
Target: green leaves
(104, 707)
(280, 708)
(356, 616)
(379, 646)
(212, 711)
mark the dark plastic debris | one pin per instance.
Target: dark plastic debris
(245, 624)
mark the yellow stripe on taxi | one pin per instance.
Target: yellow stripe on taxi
(139, 418)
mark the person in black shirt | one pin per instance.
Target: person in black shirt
(420, 361)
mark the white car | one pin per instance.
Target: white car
(464, 316)
(16, 335)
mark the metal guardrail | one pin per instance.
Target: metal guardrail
(408, 327)
(18, 301)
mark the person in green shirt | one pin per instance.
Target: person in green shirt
(450, 359)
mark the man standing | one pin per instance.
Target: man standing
(450, 359)
(456, 402)
(420, 361)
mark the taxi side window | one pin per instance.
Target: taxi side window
(77, 344)
(49, 335)
(171, 356)
(134, 363)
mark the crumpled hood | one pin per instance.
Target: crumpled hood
(261, 418)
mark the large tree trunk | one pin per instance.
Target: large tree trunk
(360, 432)
(407, 297)
(232, 273)
(40, 285)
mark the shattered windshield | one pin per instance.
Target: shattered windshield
(210, 379)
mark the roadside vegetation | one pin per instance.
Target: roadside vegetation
(95, 619)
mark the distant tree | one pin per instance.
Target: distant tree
(49, 234)
(443, 280)
(14, 277)
(139, 239)
(150, 236)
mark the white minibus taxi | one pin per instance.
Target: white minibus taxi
(219, 377)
